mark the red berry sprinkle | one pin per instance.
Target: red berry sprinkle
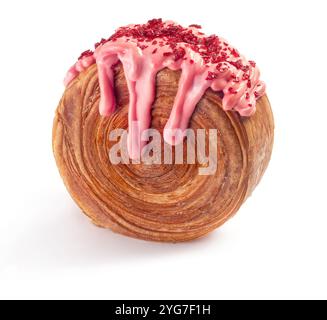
(179, 53)
(245, 68)
(232, 90)
(235, 53)
(252, 63)
(237, 64)
(212, 49)
(195, 26)
(142, 46)
(212, 75)
(256, 94)
(101, 42)
(221, 68)
(86, 53)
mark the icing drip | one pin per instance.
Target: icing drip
(143, 50)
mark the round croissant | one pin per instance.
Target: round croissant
(168, 202)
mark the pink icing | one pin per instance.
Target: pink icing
(82, 64)
(143, 50)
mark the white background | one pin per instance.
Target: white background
(276, 245)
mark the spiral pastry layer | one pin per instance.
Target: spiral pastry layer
(160, 202)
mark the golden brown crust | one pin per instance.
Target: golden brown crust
(157, 202)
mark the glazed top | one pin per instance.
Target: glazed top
(145, 49)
